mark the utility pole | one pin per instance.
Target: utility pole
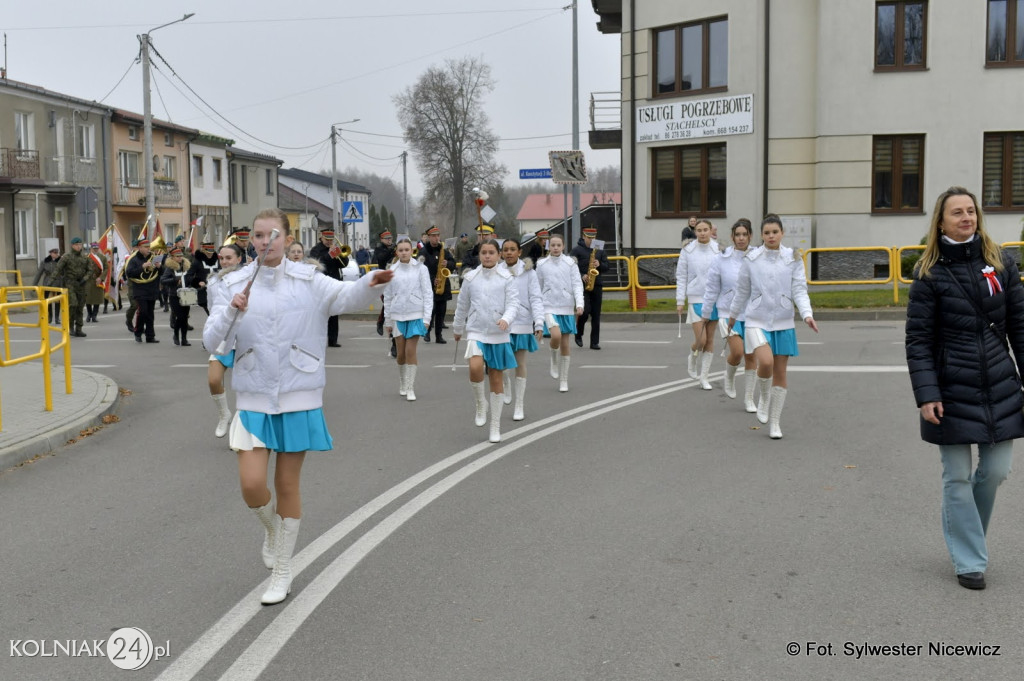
(575, 125)
(147, 116)
(405, 189)
(335, 212)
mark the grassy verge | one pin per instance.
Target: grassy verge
(819, 299)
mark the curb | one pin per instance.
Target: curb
(104, 402)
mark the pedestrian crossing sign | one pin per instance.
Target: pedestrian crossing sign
(352, 211)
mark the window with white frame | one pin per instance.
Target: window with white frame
(245, 184)
(128, 163)
(218, 173)
(170, 167)
(133, 132)
(168, 139)
(197, 170)
(24, 233)
(85, 141)
(24, 134)
(270, 182)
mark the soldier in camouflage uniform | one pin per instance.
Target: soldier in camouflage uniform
(73, 270)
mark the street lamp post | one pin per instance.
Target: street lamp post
(334, 176)
(147, 116)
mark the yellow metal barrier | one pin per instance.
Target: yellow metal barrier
(629, 273)
(17, 279)
(44, 296)
(852, 282)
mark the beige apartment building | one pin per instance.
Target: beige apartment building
(846, 118)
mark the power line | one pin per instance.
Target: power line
(135, 61)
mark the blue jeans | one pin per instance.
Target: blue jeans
(967, 500)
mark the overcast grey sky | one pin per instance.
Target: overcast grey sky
(284, 72)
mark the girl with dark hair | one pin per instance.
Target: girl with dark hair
(529, 322)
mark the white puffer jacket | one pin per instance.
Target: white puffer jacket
(691, 270)
(531, 302)
(487, 295)
(281, 339)
(560, 284)
(769, 283)
(410, 295)
(720, 287)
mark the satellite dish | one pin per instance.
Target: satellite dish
(156, 163)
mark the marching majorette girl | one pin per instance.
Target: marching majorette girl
(279, 330)
(229, 258)
(488, 304)
(718, 293)
(562, 289)
(770, 282)
(408, 300)
(529, 322)
(691, 273)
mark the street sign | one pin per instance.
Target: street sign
(352, 211)
(568, 167)
(535, 173)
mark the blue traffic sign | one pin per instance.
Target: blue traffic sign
(352, 211)
(535, 174)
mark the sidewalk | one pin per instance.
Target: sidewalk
(28, 429)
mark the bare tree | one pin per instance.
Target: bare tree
(444, 122)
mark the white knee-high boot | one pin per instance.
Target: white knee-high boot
(693, 362)
(748, 399)
(763, 384)
(518, 414)
(410, 382)
(553, 369)
(481, 403)
(775, 412)
(224, 414)
(705, 369)
(730, 380)
(281, 577)
(563, 374)
(497, 402)
(402, 389)
(506, 385)
(271, 523)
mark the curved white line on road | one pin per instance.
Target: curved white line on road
(251, 663)
(190, 662)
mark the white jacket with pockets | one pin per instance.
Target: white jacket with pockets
(691, 270)
(769, 284)
(720, 287)
(487, 295)
(281, 339)
(560, 284)
(410, 295)
(531, 302)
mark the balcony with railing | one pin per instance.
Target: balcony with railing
(132, 191)
(19, 166)
(76, 171)
(605, 120)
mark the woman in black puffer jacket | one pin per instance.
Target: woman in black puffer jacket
(966, 311)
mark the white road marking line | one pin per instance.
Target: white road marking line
(93, 366)
(251, 663)
(623, 366)
(328, 366)
(851, 369)
(810, 343)
(195, 657)
(639, 342)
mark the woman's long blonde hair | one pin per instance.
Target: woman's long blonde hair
(989, 248)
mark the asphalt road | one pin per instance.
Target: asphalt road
(634, 528)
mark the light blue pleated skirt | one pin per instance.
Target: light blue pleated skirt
(566, 323)
(227, 360)
(295, 431)
(523, 341)
(496, 355)
(781, 342)
(413, 327)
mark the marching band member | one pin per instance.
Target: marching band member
(562, 288)
(691, 272)
(204, 263)
(719, 292)
(528, 325)
(770, 281)
(328, 254)
(431, 256)
(488, 304)
(408, 300)
(230, 258)
(176, 275)
(585, 257)
(144, 274)
(279, 328)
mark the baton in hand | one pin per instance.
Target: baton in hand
(222, 348)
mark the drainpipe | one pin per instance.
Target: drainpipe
(767, 89)
(632, 126)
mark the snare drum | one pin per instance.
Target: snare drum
(188, 296)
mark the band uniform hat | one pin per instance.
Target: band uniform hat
(94, 244)
(543, 234)
(385, 234)
(144, 241)
(485, 229)
(76, 240)
(433, 230)
(327, 233)
(242, 233)
(590, 231)
(176, 250)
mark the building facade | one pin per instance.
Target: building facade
(208, 171)
(252, 184)
(52, 174)
(317, 189)
(847, 119)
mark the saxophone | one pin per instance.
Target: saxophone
(592, 270)
(442, 275)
